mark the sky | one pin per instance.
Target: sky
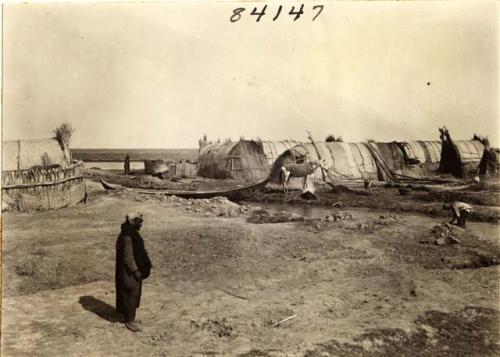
(160, 75)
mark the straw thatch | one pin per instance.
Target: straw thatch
(273, 149)
(42, 188)
(460, 158)
(490, 162)
(185, 169)
(421, 158)
(38, 175)
(239, 160)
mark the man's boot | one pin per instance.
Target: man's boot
(132, 326)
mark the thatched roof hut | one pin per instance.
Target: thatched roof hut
(25, 154)
(490, 162)
(345, 161)
(241, 159)
(38, 175)
(460, 157)
(421, 158)
(389, 159)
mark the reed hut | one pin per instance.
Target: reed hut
(344, 161)
(459, 158)
(38, 175)
(243, 160)
(490, 161)
(421, 158)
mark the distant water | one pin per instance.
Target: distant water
(118, 155)
(114, 165)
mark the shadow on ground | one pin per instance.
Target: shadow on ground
(100, 308)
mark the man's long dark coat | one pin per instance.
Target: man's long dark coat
(128, 287)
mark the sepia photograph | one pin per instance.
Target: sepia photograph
(250, 178)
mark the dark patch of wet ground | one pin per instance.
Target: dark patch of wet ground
(427, 248)
(382, 198)
(472, 331)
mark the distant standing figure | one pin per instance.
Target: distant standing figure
(459, 211)
(132, 267)
(127, 165)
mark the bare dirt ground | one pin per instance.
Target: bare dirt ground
(361, 282)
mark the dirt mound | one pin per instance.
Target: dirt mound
(445, 246)
(262, 216)
(444, 234)
(213, 207)
(387, 220)
(218, 327)
(149, 179)
(338, 216)
(371, 225)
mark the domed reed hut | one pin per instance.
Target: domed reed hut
(380, 161)
(243, 160)
(421, 157)
(345, 161)
(460, 158)
(389, 159)
(39, 175)
(490, 161)
(412, 159)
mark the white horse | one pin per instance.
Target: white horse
(299, 170)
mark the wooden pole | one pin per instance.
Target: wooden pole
(320, 158)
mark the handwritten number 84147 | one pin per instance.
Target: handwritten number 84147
(295, 11)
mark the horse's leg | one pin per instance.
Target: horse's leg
(282, 178)
(304, 185)
(287, 179)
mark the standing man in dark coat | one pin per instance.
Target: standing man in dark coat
(126, 165)
(132, 266)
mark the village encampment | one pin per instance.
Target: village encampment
(243, 159)
(380, 161)
(39, 175)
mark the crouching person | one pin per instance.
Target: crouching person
(459, 212)
(132, 266)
